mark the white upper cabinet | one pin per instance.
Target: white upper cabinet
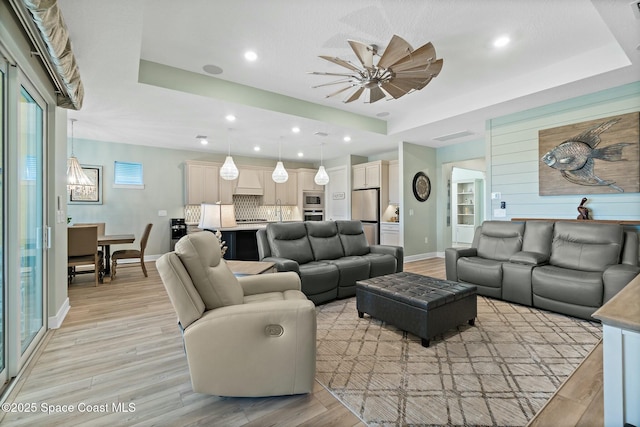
(367, 175)
(201, 183)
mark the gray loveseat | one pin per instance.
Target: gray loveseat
(566, 267)
(329, 256)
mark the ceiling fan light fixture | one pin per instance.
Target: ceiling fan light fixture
(400, 70)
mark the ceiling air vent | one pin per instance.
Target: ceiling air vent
(453, 136)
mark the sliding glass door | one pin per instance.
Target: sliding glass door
(30, 219)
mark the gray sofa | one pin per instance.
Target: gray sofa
(329, 256)
(567, 267)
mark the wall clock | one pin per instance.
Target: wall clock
(421, 186)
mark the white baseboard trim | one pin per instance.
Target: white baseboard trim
(419, 257)
(56, 321)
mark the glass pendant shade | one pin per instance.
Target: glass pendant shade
(229, 171)
(280, 174)
(321, 178)
(77, 180)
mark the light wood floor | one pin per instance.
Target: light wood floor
(119, 344)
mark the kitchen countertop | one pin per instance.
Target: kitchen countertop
(244, 226)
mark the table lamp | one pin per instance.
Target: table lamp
(213, 217)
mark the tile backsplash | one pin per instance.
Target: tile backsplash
(246, 208)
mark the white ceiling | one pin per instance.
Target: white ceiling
(559, 49)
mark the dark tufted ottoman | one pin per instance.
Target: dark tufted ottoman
(422, 305)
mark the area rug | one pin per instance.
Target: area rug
(499, 372)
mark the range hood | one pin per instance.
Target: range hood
(249, 183)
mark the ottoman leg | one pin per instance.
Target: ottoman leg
(360, 314)
(425, 342)
(472, 322)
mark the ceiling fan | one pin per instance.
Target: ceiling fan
(400, 70)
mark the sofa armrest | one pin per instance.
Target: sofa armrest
(617, 277)
(451, 256)
(396, 251)
(529, 258)
(283, 264)
(276, 282)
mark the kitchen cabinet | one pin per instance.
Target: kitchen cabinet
(201, 183)
(467, 202)
(394, 183)
(306, 180)
(390, 234)
(369, 175)
(287, 192)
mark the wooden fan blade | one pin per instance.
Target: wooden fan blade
(420, 75)
(375, 94)
(355, 95)
(341, 62)
(320, 73)
(406, 85)
(338, 91)
(435, 67)
(423, 84)
(422, 55)
(397, 49)
(393, 91)
(363, 52)
(341, 81)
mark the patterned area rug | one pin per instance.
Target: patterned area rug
(499, 372)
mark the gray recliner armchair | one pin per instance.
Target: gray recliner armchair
(249, 336)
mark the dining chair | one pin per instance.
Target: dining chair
(82, 250)
(132, 253)
(100, 225)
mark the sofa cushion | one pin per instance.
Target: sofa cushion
(571, 286)
(381, 264)
(480, 271)
(318, 277)
(215, 282)
(324, 240)
(537, 237)
(500, 239)
(586, 247)
(289, 240)
(352, 269)
(352, 237)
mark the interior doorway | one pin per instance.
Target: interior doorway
(467, 204)
(448, 208)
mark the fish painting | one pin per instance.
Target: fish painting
(574, 158)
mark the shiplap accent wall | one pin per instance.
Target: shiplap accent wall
(513, 157)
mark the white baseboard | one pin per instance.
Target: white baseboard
(56, 321)
(419, 257)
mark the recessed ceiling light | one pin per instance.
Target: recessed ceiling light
(347, 138)
(300, 154)
(250, 55)
(230, 117)
(256, 148)
(501, 41)
(295, 129)
(212, 69)
(203, 139)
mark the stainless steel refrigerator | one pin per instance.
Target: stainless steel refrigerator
(365, 206)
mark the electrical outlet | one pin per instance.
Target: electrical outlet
(162, 213)
(410, 212)
(426, 240)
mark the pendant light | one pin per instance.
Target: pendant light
(229, 171)
(321, 178)
(77, 180)
(279, 174)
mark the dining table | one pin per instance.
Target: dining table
(112, 239)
